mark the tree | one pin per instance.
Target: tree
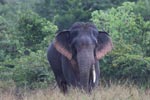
(65, 12)
(130, 34)
(34, 29)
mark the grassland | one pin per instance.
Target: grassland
(113, 92)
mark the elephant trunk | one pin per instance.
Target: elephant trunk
(85, 60)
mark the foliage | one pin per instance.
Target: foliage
(72, 10)
(8, 44)
(34, 29)
(143, 8)
(32, 71)
(130, 34)
(18, 62)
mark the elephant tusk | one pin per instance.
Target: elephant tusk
(94, 73)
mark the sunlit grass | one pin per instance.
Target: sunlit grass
(114, 92)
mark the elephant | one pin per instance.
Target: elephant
(74, 56)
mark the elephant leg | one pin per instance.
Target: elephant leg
(97, 67)
(62, 84)
(63, 87)
(70, 74)
(54, 58)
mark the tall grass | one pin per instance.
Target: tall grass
(114, 92)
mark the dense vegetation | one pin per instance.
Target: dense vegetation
(28, 26)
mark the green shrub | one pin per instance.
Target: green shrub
(34, 29)
(22, 49)
(8, 42)
(32, 71)
(130, 58)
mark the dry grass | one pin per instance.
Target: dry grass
(114, 92)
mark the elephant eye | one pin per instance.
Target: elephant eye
(95, 34)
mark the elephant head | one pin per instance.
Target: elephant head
(84, 44)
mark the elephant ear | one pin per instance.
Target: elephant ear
(104, 45)
(62, 45)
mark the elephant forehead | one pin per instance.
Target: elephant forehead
(83, 30)
(84, 41)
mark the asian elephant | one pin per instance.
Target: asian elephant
(75, 53)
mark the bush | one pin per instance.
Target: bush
(22, 49)
(34, 29)
(32, 71)
(130, 35)
(8, 42)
